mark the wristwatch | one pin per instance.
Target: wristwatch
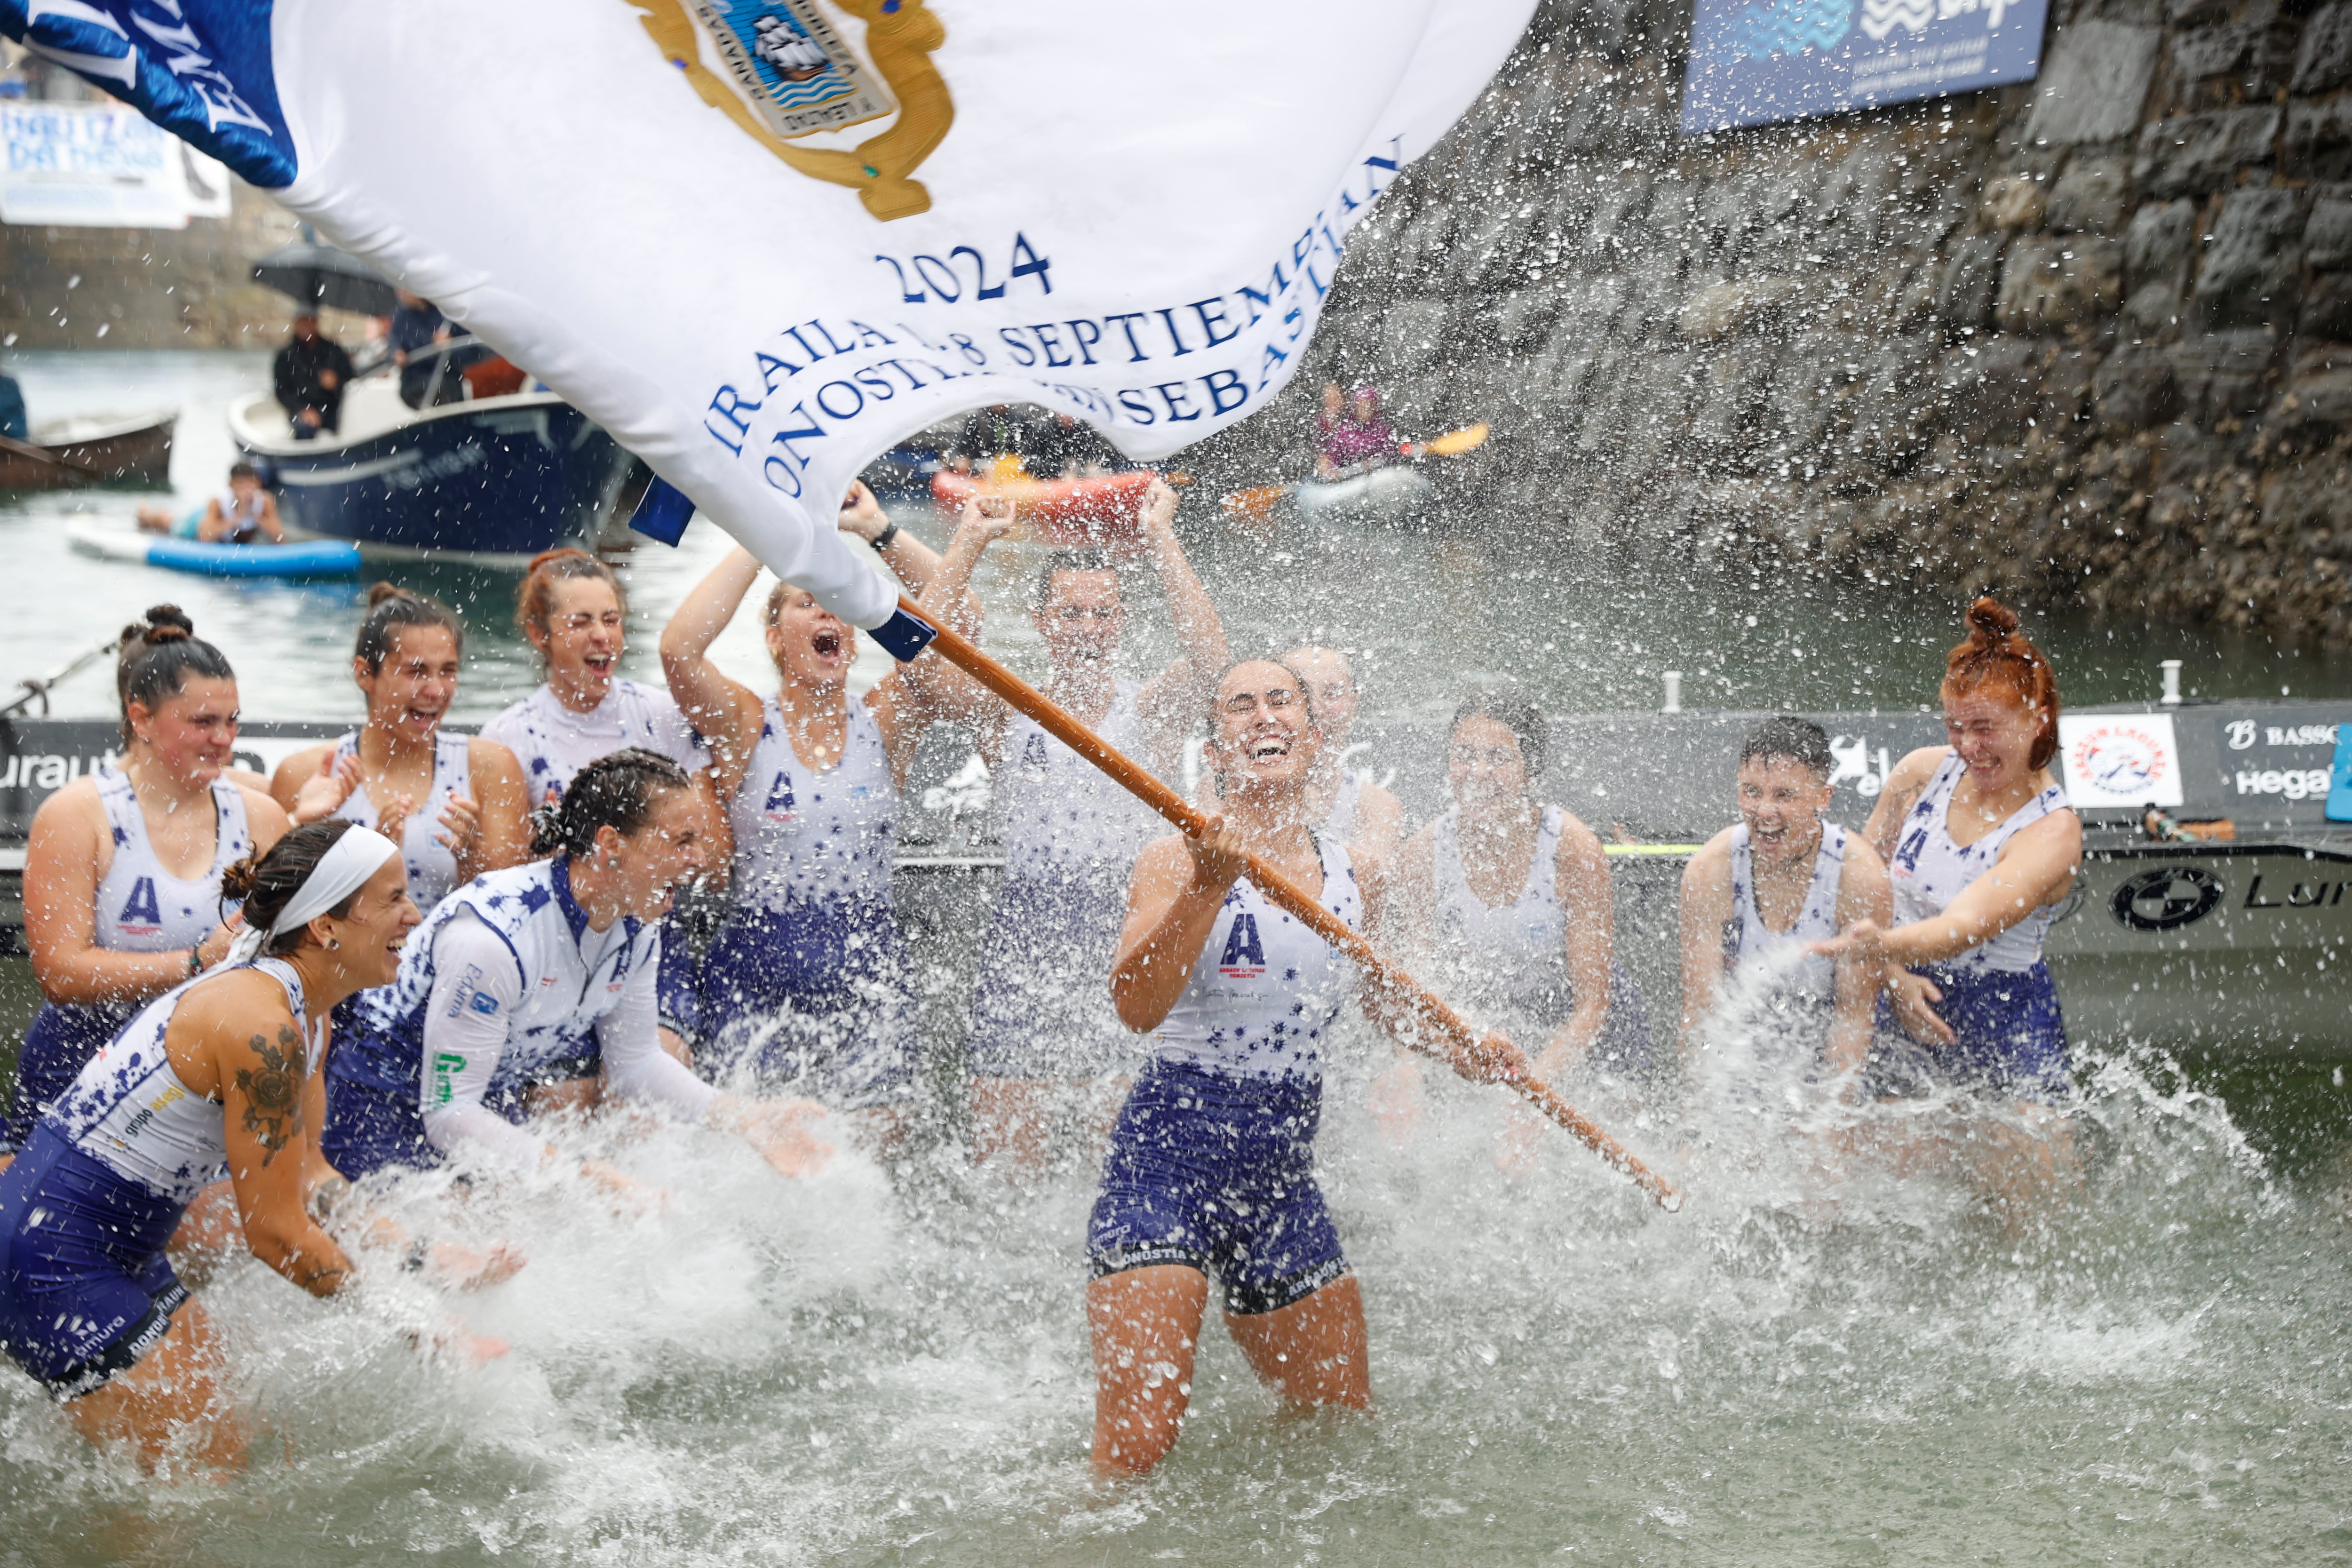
(881, 541)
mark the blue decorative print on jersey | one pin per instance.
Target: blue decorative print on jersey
(199, 69)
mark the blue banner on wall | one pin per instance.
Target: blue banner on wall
(1755, 62)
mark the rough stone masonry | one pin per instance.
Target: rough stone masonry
(2085, 340)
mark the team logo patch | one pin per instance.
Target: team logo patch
(484, 1002)
(783, 72)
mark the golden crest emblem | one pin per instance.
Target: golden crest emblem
(788, 73)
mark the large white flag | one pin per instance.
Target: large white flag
(761, 240)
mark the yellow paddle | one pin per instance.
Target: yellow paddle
(1257, 505)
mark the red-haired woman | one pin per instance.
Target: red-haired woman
(1981, 849)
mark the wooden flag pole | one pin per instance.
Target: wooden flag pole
(965, 654)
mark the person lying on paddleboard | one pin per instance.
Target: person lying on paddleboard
(244, 513)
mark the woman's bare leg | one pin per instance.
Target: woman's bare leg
(1146, 1324)
(176, 1387)
(1313, 1352)
(1012, 1117)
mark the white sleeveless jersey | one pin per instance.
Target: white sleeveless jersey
(553, 744)
(1265, 988)
(1063, 816)
(803, 836)
(130, 1112)
(432, 869)
(1511, 955)
(572, 977)
(244, 523)
(1755, 946)
(1929, 870)
(143, 907)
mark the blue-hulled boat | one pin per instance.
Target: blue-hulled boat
(496, 479)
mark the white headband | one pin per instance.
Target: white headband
(341, 871)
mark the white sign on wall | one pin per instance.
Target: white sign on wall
(2118, 760)
(92, 166)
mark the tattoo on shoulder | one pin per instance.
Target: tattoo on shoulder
(273, 1093)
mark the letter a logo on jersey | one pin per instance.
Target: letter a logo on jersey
(1245, 958)
(141, 912)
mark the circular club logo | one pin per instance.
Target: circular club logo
(2167, 899)
(2121, 760)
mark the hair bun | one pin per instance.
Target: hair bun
(237, 882)
(1991, 621)
(383, 591)
(155, 635)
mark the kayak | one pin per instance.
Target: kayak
(309, 558)
(1066, 514)
(1383, 496)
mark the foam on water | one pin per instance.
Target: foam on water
(1830, 1355)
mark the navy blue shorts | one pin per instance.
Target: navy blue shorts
(1040, 1007)
(815, 999)
(57, 1046)
(2012, 1035)
(85, 1288)
(1217, 1173)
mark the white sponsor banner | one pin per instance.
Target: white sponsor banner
(2110, 760)
(96, 166)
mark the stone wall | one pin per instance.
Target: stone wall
(2079, 341)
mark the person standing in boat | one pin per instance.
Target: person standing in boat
(1212, 1162)
(1981, 849)
(208, 1081)
(14, 423)
(541, 975)
(1510, 900)
(1042, 1030)
(309, 375)
(807, 983)
(1759, 892)
(1348, 804)
(123, 867)
(455, 806)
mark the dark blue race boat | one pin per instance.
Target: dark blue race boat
(496, 478)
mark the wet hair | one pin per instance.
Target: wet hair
(535, 594)
(1801, 740)
(1041, 588)
(268, 882)
(1517, 712)
(1305, 690)
(244, 472)
(156, 656)
(390, 608)
(1998, 655)
(615, 791)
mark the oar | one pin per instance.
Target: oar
(1256, 505)
(966, 656)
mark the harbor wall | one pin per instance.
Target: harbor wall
(2083, 342)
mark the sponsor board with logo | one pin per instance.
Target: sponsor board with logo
(1755, 62)
(2119, 760)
